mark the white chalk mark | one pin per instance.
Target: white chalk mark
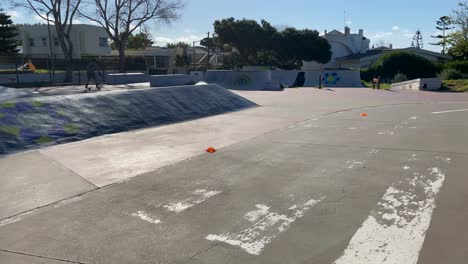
(311, 126)
(351, 164)
(352, 128)
(394, 233)
(386, 133)
(266, 226)
(449, 111)
(406, 167)
(145, 217)
(374, 151)
(201, 195)
(414, 118)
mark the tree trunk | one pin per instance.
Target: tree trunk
(122, 58)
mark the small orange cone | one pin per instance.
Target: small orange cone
(211, 150)
(364, 115)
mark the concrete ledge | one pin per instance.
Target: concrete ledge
(170, 80)
(126, 78)
(428, 84)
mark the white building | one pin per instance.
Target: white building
(342, 45)
(88, 40)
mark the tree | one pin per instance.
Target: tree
(7, 32)
(404, 62)
(139, 41)
(443, 24)
(179, 44)
(120, 18)
(459, 38)
(417, 40)
(263, 44)
(62, 13)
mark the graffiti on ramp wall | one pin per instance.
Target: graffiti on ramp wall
(331, 78)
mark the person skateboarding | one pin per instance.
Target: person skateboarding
(92, 74)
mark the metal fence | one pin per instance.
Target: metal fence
(19, 71)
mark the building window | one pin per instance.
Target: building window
(31, 42)
(44, 42)
(103, 43)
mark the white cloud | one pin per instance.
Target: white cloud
(349, 22)
(13, 14)
(380, 35)
(164, 40)
(395, 28)
(161, 41)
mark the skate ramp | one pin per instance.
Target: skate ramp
(243, 80)
(41, 121)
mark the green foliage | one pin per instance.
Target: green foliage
(460, 65)
(443, 24)
(137, 41)
(459, 38)
(417, 40)
(43, 140)
(399, 77)
(7, 105)
(451, 74)
(456, 85)
(408, 63)
(177, 45)
(262, 44)
(7, 33)
(182, 61)
(70, 129)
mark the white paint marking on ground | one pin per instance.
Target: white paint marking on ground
(351, 164)
(311, 126)
(394, 233)
(201, 195)
(266, 226)
(449, 111)
(352, 128)
(386, 133)
(374, 151)
(145, 217)
(414, 118)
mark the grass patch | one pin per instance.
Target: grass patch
(383, 86)
(70, 129)
(15, 131)
(43, 140)
(456, 85)
(7, 105)
(2, 115)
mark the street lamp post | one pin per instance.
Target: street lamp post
(50, 50)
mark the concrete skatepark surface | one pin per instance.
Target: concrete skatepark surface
(29, 123)
(301, 179)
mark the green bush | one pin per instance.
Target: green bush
(399, 77)
(461, 66)
(451, 74)
(408, 63)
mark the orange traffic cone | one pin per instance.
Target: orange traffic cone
(364, 115)
(211, 150)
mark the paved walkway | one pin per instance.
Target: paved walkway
(302, 179)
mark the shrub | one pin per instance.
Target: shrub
(451, 74)
(399, 77)
(461, 66)
(408, 63)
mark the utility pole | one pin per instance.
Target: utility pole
(52, 76)
(193, 56)
(208, 47)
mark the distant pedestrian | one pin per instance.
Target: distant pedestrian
(92, 74)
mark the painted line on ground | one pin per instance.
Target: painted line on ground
(265, 225)
(450, 111)
(200, 196)
(394, 233)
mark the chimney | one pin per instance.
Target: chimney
(361, 32)
(326, 31)
(347, 31)
(391, 46)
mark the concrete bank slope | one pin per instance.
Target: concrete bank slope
(33, 122)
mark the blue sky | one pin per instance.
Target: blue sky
(391, 21)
